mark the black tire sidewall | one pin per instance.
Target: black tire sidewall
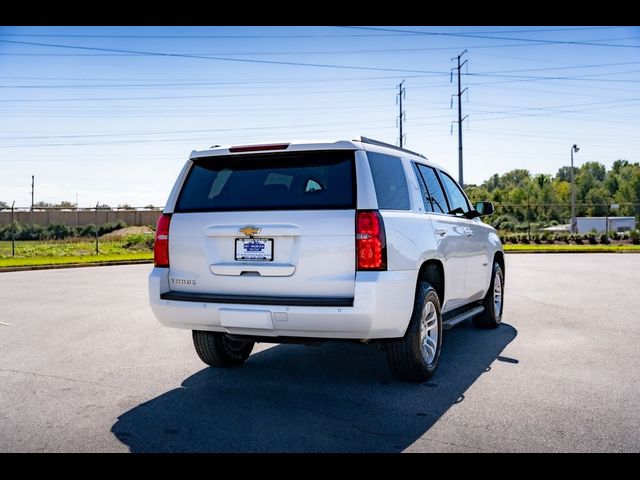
(496, 316)
(213, 349)
(234, 350)
(425, 294)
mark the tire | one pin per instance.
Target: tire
(410, 358)
(217, 350)
(492, 315)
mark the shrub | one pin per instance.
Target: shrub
(592, 239)
(635, 236)
(138, 241)
(604, 240)
(88, 230)
(30, 232)
(503, 222)
(57, 231)
(110, 227)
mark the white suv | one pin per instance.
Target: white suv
(307, 242)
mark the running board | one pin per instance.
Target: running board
(458, 317)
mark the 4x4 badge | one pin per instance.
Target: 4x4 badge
(250, 230)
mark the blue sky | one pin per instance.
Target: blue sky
(114, 118)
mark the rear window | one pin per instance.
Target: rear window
(389, 181)
(282, 181)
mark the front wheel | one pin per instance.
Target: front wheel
(493, 301)
(218, 350)
(414, 357)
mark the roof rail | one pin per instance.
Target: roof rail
(371, 141)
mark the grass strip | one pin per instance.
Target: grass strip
(570, 248)
(70, 259)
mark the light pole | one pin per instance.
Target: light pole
(574, 148)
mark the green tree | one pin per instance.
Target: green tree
(598, 200)
(564, 173)
(628, 179)
(522, 199)
(477, 194)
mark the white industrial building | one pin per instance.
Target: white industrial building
(611, 224)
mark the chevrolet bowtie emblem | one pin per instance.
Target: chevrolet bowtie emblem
(250, 230)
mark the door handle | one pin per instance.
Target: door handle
(441, 231)
(468, 232)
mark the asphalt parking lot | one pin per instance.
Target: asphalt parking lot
(84, 367)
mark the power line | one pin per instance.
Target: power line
(536, 30)
(565, 67)
(225, 59)
(554, 108)
(244, 128)
(585, 77)
(286, 81)
(367, 35)
(278, 36)
(230, 83)
(490, 37)
(307, 52)
(324, 52)
(271, 62)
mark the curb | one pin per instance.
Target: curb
(72, 265)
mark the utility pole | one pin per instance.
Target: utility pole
(574, 148)
(13, 232)
(32, 183)
(401, 116)
(460, 117)
(97, 249)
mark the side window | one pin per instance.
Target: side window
(434, 195)
(426, 198)
(390, 182)
(457, 199)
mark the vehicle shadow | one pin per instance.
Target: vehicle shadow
(336, 398)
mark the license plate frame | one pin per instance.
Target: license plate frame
(254, 249)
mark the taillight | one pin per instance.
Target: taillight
(161, 245)
(371, 245)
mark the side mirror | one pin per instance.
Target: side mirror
(484, 208)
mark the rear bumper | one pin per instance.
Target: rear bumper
(381, 308)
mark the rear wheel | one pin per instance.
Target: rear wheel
(414, 357)
(218, 350)
(493, 302)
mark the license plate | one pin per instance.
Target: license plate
(260, 249)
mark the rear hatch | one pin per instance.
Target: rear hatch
(268, 224)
